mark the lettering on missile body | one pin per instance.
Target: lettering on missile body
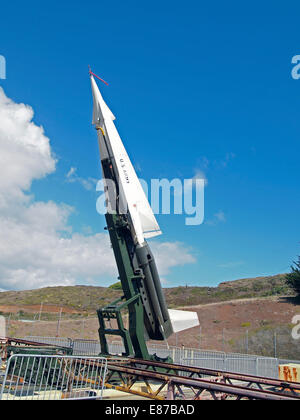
(123, 166)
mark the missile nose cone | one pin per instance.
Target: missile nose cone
(101, 112)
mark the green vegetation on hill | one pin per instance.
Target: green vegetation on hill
(116, 286)
(79, 298)
(269, 341)
(238, 289)
(90, 298)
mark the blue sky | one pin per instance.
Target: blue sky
(195, 87)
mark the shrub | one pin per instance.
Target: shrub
(116, 286)
(293, 278)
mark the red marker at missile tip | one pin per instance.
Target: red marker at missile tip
(90, 72)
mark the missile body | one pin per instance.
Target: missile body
(126, 199)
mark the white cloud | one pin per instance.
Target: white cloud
(37, 245)
(34, 252)
(25, 151)
(218, 217)
(198, 175)
(87, 183)
(228, 158)
(170, 254)
(71, 172)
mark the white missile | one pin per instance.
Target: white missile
(143, 220)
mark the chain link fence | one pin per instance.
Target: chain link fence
(216, 360)
(262, 339)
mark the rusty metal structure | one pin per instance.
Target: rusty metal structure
(187, 383)
(168, 381)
